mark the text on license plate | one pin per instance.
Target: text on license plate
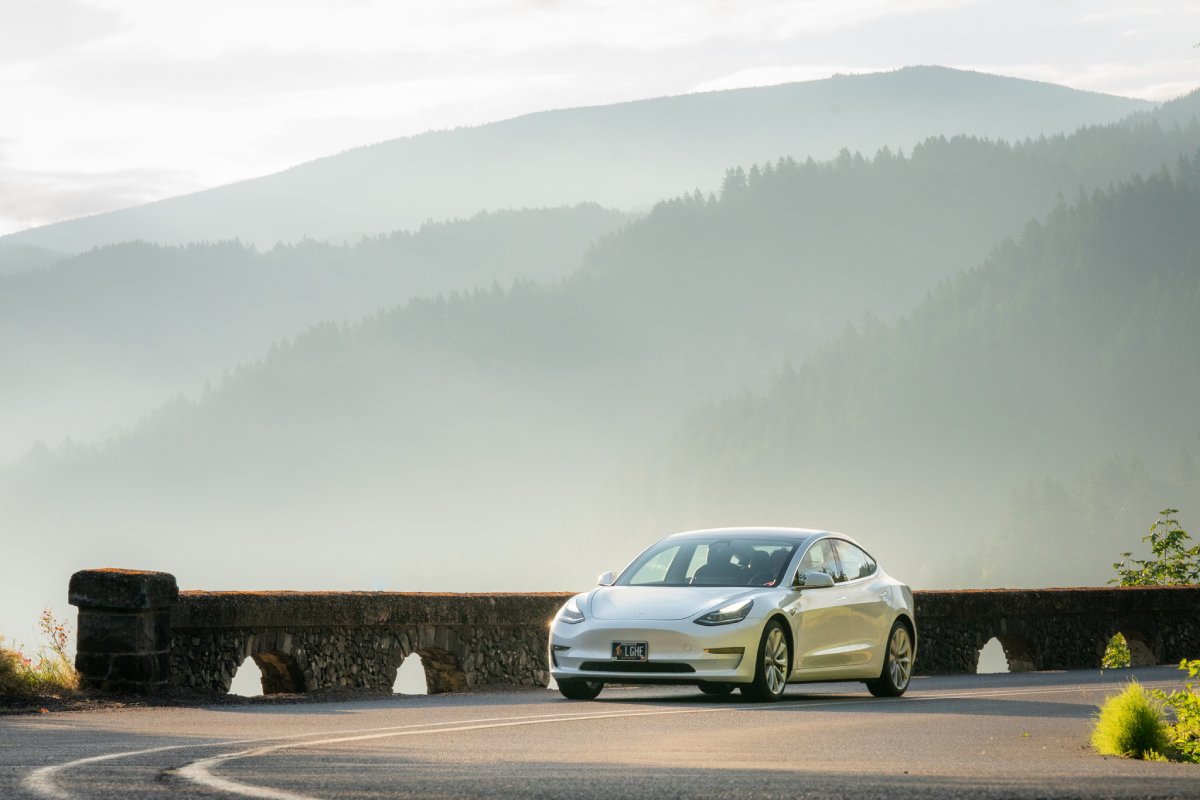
(629, 651)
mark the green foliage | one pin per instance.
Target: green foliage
(1185, 703)
(1172, 563)
(49, 671)
(1116, 655)
(1131, 725)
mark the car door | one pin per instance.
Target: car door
(867, 603)
(819, 616)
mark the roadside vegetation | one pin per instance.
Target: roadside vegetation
(1172, 562)
(1135, 723)
(48, 671)
(1117, 655)
(1185, 704)
(1131, 725)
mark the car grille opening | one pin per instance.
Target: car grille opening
(635, 666)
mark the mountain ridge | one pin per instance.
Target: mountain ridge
(624, 155)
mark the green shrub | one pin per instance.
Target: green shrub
(1131, 724)
(1185, 703)
(1116, 655)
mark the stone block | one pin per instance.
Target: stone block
(118, 632)
(140, 668)
(123, 590)
(93, 666)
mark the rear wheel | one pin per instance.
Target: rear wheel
(717, 688)
(771, 671)
(897, 664)
(580, 688)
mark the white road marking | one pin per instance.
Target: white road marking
(200, 771)
(42, 781)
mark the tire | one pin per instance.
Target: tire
(772, 667)
(717, 688)
(897, 664)
(580, 688)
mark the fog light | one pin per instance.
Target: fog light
(725, 651)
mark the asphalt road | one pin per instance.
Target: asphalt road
(1023, 735)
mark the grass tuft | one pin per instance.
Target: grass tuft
(1131, 724)
(50, 671)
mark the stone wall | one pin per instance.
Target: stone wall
(323, 640)
(137, 632)
(1056, 628)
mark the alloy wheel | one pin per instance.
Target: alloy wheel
(900, 657)
(775, 660)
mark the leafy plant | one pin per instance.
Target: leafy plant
(1185, 703)
(1172, 562)
(1131, 724)
(1116, 655)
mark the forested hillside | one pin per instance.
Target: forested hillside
(16, 257)
(627, 156)
(536, 416)
(1073, 349)
(94, 341)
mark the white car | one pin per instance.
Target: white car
(747, 608)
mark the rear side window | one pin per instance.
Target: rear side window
(855, 562)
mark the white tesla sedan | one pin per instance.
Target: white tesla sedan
(748, 608)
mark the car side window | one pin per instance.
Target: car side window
(820, 558)
(855, 562)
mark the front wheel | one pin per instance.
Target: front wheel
(897, 664)
(771, 672)
(579, 688)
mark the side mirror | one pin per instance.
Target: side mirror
(812, 580)
(606, 578)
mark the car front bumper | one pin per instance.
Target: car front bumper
(678, 651)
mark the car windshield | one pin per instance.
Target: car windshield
(710, 562)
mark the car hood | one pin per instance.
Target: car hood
(660, 602)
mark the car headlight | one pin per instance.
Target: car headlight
(734, 612)
(571, 612)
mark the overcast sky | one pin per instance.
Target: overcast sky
(110, 103)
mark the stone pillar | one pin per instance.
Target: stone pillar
(124, 638)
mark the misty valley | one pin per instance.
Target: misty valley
(505, 364)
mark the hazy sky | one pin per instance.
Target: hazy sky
(114, 102)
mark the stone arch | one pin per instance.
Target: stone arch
(443, 671)
(280, 673)
(991, 658)
(410, 676)
(444, 655)
(247, 681)
(1141, 652)
(1019, 653)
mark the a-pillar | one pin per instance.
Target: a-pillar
(124, 638)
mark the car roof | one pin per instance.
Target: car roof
(796, 534)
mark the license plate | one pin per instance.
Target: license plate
(629, 651)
